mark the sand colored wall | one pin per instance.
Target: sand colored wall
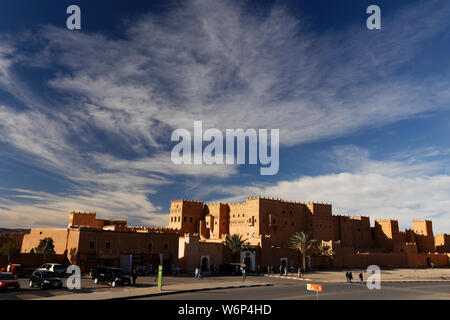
(442, 243)
(185, 216)
(59, 236)
(424, 235)
(386, 234)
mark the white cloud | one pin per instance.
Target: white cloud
(403, 191)
(49, 210)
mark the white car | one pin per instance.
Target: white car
(57, 268)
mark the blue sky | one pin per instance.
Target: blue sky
(86, 116)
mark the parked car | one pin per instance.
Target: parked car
(8, 281)
(14, 268)
(230, 269)
(113, 276)
(57, 268)
(45, 279)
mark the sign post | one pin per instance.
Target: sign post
(314, 287)
(160, 275)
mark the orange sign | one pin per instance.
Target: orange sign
(314, 287)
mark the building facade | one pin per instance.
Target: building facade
(267, 224)
(89, 242)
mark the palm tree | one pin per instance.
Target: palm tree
(236, 244)
(302, 242)
(324, 251)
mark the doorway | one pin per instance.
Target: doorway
(205, 263)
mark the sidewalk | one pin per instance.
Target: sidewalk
(392, 275)
(130, 292)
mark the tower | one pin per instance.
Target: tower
(185, 215)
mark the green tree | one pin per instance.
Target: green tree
(46, 247)
(323, 250)
(8, 249)
(236, 244)
(302, 242)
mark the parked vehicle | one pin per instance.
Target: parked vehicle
(14, 268)
(57, 268)
(230, 269)
(45, 279)
(8, 281)
(113, 276)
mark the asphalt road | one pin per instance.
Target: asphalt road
(296, 290)
(282, 289)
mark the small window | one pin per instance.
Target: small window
(91, 244)
(150, 246)
(108, 245)
(274, 221)
(190, 219)
(171, 219)
(166, 246)
(185, 219)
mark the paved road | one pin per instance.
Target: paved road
(89, 286)
(296, 290)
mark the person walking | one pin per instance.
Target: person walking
(361, 278)
(299, 274)
(196, 273)
(243, 274)
(281, 270)
(134, 275)
(350, 276)
(347, 276)
(200, 274)
(285, 271)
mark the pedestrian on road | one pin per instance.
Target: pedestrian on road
(350, 276)
(361, 279)
(134, 275)
(347, 276)
(285, 271)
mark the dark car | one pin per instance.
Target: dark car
(113, 276)
(8, 281)
(230, 269)
(45, 279)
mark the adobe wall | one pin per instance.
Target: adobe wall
(59, 236)
(442, 243)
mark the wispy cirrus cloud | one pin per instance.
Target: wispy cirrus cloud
(116, 100)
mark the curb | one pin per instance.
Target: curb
(163, 293)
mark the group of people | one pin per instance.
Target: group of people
(283, 271)
(349, 277)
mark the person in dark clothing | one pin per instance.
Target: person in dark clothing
(350, 276)
(134, 275)
(361, 279)
(347, 276)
